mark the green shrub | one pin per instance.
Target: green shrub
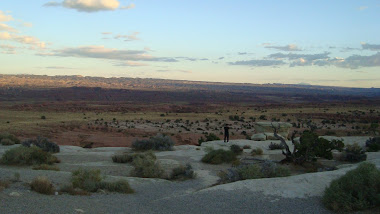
(373, 144)
(10, 137)
(354, 153)
(27, 156)
(86, 179)
(250, 172)
(208, 137)
(276, 146)
(43, 143)
(236, 149)
(7, 142)
(182, 173)
(122, 158)
(45, 167)
(145, 166)
(358, 189)
(73, 191)
(257, 151)
(121, 186)
(42, 185)
(159, 142)
(219, 156)
(128, 157)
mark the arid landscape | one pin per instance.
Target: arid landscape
(95, 125)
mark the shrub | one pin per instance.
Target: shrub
(42, 143)
(159, 142)
(6, 142)
(257, 151)
(86, 179)
(354, 153)
(129, 157)
(236, 149)
(27, 156)
(219, 156)
(276, 146)
(146, 167)
(253, 171)
(246, 146)
(45, 167)
(73, 191)
(42, 185)
(10, 137)
(373, 144)
(208, 137)
(4, 185)
(358, 189)
(121, 186)
(122, 158)
(182, 173)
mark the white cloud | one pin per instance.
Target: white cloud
(29, 40)
(363, 8)
(4, 17)
(127, 38)
(259, 63)
(89, 5)
(4, 27)
(290, 47)
(131, 6)
(131, 64)
(371, 47)
(5, 36)
(101, 52)
(8, 49)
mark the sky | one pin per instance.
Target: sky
(318, 42)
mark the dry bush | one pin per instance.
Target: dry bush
(4, 185)
(42, 185)
(146, 167)
(73, 191)
(46, 167)
(257, 151)
(219, 156)
(27, 156)
(7, 142)
(182, 173)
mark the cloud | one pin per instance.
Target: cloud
(131, 64)
(361, 8)
(89, 5)
(192, 59)
(106, 33)
(291, 56)
(4, 27)
(358, 61)
(101, 52)
(242, 53)
(4, 17)
(8, 49)
(220, 58)
(131, 6)
(371, 47)
(259, 63)
(5, 36)
(182, 71)
(57, 67)
(290, 47)
(127, 38)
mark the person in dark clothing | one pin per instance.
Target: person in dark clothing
(226, 133)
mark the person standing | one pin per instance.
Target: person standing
(226, 133)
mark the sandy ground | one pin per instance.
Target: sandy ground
(294, 194)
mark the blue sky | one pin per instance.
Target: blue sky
(316, 42)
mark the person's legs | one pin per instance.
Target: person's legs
(228, 137)
(225, 137)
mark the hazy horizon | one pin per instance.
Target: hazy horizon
(288, 42)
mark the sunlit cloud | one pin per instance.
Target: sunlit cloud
(181, 71)
(4, 17)
(127, 38)
(131, 64)
(89, 5)
(8, 49)
(290, 47)
(101, 52)
(259, 63)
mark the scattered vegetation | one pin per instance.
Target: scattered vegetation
(159, 142)
(253, 171)
(73, 191)
(219, 156)
(276, 146)
(43, 143)
(358, 189)
(146, 166)
(257, 151)
(42, 185)
(27, 156)
(373, 144)
(4, 185)
(8, 139)
(91, 181)
(182, 173)
(247, 146)
(45, 167)
(208, 137)
(354, 153)
(122, 158)
(236, 149)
